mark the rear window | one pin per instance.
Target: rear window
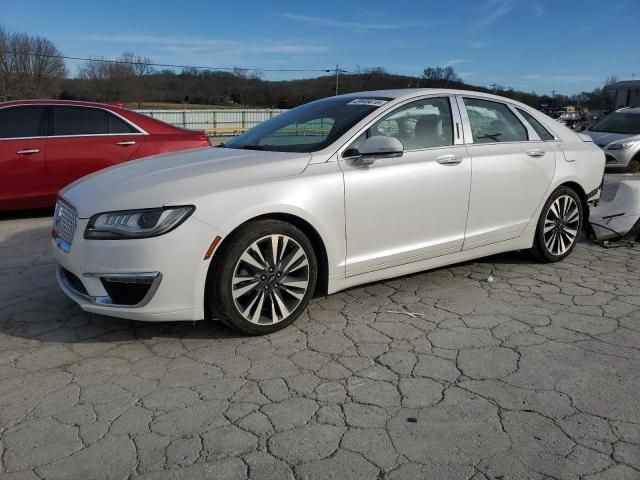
(87, 121)
(21, 122)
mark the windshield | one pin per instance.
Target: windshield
(310, 127)
(619, 122)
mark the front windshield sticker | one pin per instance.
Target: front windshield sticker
(368, 101)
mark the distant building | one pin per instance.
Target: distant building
(627, 93)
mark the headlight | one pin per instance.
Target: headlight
(621, 145)
(143, 223)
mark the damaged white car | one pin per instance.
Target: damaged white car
(335, 193)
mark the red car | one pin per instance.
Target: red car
(47, 144)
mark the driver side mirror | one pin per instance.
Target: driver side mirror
(377, 147)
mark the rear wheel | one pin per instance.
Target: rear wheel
(263, 278)
(558, 226)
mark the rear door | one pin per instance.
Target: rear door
(83, 140)
(511, 170)
(23, 181)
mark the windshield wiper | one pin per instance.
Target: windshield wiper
(253, 147)
(492, 137)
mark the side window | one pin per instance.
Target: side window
(80, 121)
(22, 122)
(542, 132)
(117, 125)
(493, 122)
(425, 123)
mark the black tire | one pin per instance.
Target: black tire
(540, 248)
(219, 297)
(634, 166)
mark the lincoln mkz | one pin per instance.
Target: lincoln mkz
(335, 193)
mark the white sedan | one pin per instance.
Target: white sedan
(335, 193)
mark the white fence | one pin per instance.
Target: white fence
(216, 121)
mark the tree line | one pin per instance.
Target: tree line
(31, 67)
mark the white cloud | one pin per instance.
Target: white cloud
(197, 45)
(558, 78)
(493, 11)
(538, 8)
(479, 44)
(355, 25)
(453, 62)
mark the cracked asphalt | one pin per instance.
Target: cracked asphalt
(439, 375)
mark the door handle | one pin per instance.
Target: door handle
(449, 159)
(536, 153)
(28, 151)
(126, 143)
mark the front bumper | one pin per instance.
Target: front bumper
(153, 279)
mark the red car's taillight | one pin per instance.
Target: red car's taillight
(203, 138)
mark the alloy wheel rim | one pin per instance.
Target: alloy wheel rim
(561, 225)
(270, 279)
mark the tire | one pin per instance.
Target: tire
(634, 166)
(252, 293)
(562, 230)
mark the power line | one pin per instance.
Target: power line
(169, 65)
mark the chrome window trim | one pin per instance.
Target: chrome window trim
(455, 117)
(53, 137)
(140, 131)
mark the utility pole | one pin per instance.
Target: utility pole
(337, 77)
(553, 97)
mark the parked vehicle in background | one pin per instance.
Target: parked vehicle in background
(618, 134)
(572, 120)
(335, 193)
(46, 145)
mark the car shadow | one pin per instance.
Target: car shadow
(26, 214)
(33, 307)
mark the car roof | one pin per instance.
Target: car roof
(414, 92)
(146, 123)
(58, 102)
(407, 93)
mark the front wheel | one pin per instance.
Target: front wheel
(263, 278)
(558, 226)
(634, 166)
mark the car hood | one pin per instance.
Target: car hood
(602, 139)
(178, 178)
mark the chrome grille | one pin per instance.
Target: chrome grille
(65, 220)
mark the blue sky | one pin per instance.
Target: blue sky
(532, 45)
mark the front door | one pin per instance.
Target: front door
(405, 209)
(23, 179)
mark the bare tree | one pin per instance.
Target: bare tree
(116, 80)
(441, 76)
(30, 67)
